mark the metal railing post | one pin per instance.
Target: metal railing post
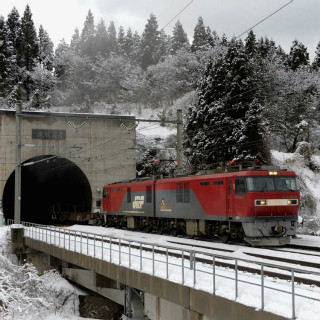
(94, 246)
(213, 275)
(119, 252)
(87, 244)
(102, 248)
(140, 257)
(167, 264)
(153, 260)
(129, 255)
(262, 287)
(81, 242)
(110, 250)
(182, 267)
(293, 298)
(194, 270)
(236, 276)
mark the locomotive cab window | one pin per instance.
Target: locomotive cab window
(104, 193)
(286, 183)
(277, 183)
(240, 185)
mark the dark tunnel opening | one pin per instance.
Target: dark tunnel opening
(46, 186)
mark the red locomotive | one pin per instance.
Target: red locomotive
(258, 206)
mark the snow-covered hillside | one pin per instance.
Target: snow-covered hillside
(307, 168)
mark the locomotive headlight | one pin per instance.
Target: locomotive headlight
(261, 202)
(273, 173)
(292, 202)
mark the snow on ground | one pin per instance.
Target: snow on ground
(24, 295)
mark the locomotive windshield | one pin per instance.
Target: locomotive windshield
(271, 184)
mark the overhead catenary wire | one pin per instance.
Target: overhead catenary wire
(267, 17)
(177, 14)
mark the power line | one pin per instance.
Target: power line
(264, 19)
(178, 14)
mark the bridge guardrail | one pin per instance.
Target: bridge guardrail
(188, 267)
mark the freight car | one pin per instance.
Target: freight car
(258, 206)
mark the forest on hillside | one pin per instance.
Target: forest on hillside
(241, 97)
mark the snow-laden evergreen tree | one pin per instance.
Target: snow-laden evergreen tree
(135, 49)
(150, 41)
(121, 41)
(298, 55)
(127, 46)
(45, 50)
(316, 61)
(14, 24)
(27, 50)
(265, 47)
(112, 39)
(75, 41)
(179, 38)
(101, 40)
(4, 54)
(202, 37)
(251, 44)
(164, 46)
(13, 29)
(87, 39)
(226, 122)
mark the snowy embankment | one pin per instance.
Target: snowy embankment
(307, 168)
(26, 295)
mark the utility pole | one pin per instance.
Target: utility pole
(17, 180)
(179, 140)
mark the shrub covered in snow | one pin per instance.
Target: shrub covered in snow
(26, 295)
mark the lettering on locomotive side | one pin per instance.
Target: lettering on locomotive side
(138, 202)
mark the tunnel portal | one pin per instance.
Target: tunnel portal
(48, 185)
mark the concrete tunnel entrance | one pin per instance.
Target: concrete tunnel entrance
(46, 186)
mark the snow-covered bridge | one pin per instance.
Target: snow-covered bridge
(165, 282)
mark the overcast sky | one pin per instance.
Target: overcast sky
(299, 20)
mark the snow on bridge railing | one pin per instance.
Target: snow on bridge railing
(215, 273)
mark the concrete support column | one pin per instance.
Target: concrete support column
(17, 234)
(134, 306)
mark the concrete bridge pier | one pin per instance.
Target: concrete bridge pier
(134, 304)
